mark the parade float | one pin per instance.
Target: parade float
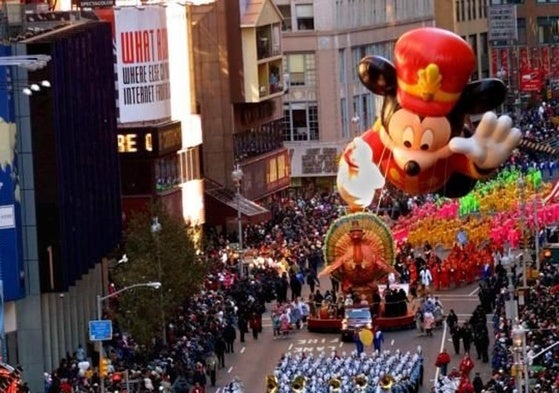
(359, 254)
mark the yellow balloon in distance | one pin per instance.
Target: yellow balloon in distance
(366, 337)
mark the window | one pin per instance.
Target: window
(166, 173)
(357, 54)
(521, 28)
(300, 122)
(301, 69)
(342, 77)
(268, 41)
(363, 111)
(501, 2)
(305, 16)
(484, 53)
(548, 30)
(472, 40)
(548, 1)
(286, 13)
(189, 161)
(345, 124)
(482, 8)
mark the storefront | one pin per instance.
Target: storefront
(150, 166)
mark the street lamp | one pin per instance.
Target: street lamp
(511, 307)
(521, 364)
(100, 300)
(155, 230)
(237, 176)
(355, 120)
(29, 62)
(537, 232)
(522, 201)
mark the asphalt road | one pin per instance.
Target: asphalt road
(255, 359)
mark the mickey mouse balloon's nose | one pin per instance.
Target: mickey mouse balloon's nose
(412, 168)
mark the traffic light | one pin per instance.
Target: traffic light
(104, 367)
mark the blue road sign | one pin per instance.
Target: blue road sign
(100, 330)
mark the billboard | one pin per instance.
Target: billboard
(11, 264)
(502, 23)
(142, 56)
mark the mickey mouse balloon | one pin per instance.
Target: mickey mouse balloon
(421, 142)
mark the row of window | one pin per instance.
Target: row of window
(502, 2)
(301, 117)
(302, 19)
(355, 13)
(258, 141)
(547, 28)
(470, 10)
(300, 121)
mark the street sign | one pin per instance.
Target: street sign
(502, 23)
(100, 330)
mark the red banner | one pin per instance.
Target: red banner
(545, 62)
(524, 59)
(505, 62)
(555, 62)
(529, 73)
(530, 80)
(494, 62)
(535, 60)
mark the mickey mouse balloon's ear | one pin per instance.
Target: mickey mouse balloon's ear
(378, 75)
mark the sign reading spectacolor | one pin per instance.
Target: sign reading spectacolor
(100, 330)
(502, 23)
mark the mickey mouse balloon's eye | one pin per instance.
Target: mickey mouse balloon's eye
(426, 140)
(407, 137)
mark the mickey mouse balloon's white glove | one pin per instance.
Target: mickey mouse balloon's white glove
(358, 176)
(491, 144)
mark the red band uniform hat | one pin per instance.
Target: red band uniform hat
(432, 66)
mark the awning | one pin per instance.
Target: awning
(227, 198)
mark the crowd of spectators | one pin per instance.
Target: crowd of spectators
(287, 250)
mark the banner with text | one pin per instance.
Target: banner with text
(142, 64)
(530, 75)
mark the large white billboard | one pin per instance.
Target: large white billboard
(142, 50)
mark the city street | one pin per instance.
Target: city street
(255, 359)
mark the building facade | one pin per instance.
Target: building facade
(239, 90)
(66, 148)
(525, 51)
(69, 191)
(326, 104)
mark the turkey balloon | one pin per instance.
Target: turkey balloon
(421, 142)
